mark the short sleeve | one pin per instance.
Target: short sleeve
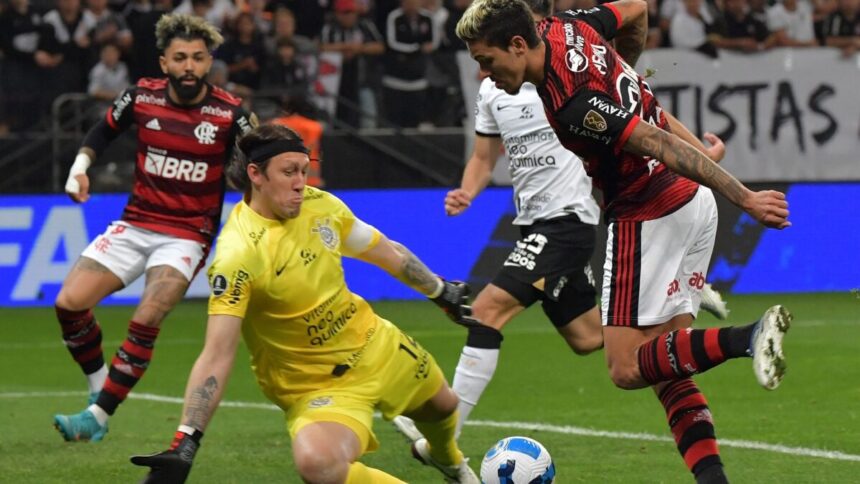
(604, 19)
(485, 122)
(593, 117)
(230, 280)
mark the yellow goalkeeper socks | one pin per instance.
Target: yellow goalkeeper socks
(361, 474)
(440, 436)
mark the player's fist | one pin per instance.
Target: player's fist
(171, 466)
(457, 201)
(454, 302)
(717, 150)
(769, 207)
(78, 187)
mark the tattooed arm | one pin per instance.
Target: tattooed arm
(769, 207)
(400, 262)
(208, 378)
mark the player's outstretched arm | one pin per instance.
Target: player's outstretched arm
(633, 31)
(476, 175)
(400, 262)
(206, 385)
(769, 207)
(715, 152)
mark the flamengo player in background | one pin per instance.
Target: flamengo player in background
(186, 131)
(661, 222)
(319, 351)
(556, 215)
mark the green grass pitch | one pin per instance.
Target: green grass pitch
(595, 432)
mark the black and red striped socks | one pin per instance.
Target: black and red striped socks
(685, 352)
(693, 428)
(83, 337)
(128, 366)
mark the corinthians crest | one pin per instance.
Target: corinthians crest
(327, 234)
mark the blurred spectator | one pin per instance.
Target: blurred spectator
(220, 76)
(109, 76)
(842, 28)
(410, 37)
(311, 14)
(791, 22)
(358, 40)
(758, 11)
(740, 31)
(455, 13)
(141, 16)
(19, 39)
(64, 51)
(244, 53)
(216, 12)
(284, 27)
(655, 34)
(691, 28)
(261, 16)
(105, 26)
(287, 72)
(300, 116)
(440, 74)
(821, 11)
(668, 10)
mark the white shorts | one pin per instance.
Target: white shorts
(128, 251)
(655, 270)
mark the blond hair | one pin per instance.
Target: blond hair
(186, 27)
(496, 22)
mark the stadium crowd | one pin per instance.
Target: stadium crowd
(396, 54)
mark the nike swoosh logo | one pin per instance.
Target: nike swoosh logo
(502, 106)
(279, 271)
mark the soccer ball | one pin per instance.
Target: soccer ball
(517, 460)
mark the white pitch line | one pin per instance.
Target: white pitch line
(558, 429)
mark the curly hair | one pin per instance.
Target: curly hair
(496, 22)
(186, 27)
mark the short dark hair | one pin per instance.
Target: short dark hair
(237, 170)
(496, 22)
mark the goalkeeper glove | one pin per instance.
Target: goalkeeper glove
(173, 465)
(453, 299)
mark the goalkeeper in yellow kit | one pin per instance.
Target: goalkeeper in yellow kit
(318, 351)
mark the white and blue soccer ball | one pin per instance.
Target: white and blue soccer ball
(517, 460)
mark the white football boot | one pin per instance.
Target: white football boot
(713, 303)
(766, 346)
(461, 473)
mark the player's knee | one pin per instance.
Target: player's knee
(317, 465)
(586, 345)
(70, 301)
(625, 377)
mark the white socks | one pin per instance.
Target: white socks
(97, 380)
(474, 372)
(100, 415)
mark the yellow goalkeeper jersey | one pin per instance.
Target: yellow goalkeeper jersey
(286, 280)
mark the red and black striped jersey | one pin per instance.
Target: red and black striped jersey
(593, 100)
(182, 151)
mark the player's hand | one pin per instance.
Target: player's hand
(171, 466)
(454, 302)
(717, 150)
(78, 188)
(768, 207)
(457, 201)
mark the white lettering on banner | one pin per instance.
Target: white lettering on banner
(779, 121)
(64, 227)
(16, 218)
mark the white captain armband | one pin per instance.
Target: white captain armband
(361, 238)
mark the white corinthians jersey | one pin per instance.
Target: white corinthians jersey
(549, 181)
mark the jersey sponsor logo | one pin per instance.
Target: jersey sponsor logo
(608, 108)
(241, 277)
(499, 107)
(218, 284)
(144, 98)
(576, 61)
(525, 253)
(594, 121)
(330, 324)
(587, 133)
(244, 124)
(120, 106)
(205, 133)
(257, 236)
(327, 234)
(598, 58)
(308, 256)
(532, 161)
(527, 112)
(174, 168)
(153, 124)
(216, 111)
(320, 402)
(556, 291)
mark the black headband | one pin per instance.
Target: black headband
(274, 148)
